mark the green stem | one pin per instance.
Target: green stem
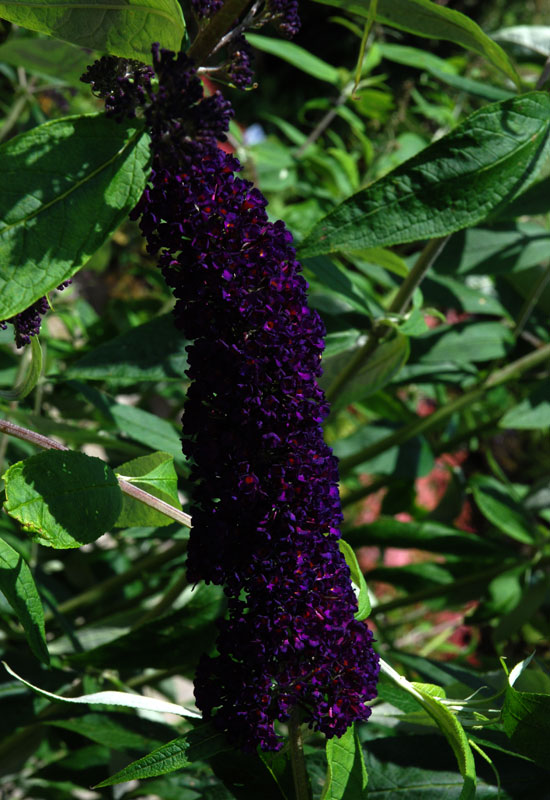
(364, 491)
(425, 424)
(531, 301)
(218, 26)
(165, 601)
(13, 116)
(444, 590)
(302, 784)
(98, 593)
(126, 486)
(401, 301)
(399, 305)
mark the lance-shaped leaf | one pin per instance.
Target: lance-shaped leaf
(108, 698)
(122, 28)
(429, 19)
(66, 186)
(452, 184)
(17, 584)
(199, 744)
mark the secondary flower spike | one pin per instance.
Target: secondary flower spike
(265, 505)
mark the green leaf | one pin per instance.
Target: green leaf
(447, 723)
(114, 731)
(154, 474)
(157, 644)
(428, 19)
(387, 259)
(147, 429)
(377, 371)
(346, 773)
(505, 248)
(499, 507)
(67, 185)
(62, 498)
(125, 29)
(501, 147)
(201, 743)
(424, 535)
(462, 343)
(19, 589)
(363, 602)
(125, 699)
(297, 56)
(48, 58)
(417, 767)
(531, 37)
(532, 413)
(154, 351)
(530, 601)
(526, 721)
(32, 374)
(413, 458)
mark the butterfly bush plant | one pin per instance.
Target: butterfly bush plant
(347, 312)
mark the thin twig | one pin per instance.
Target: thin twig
(218, 27)
(302, 786)
(398, 306)
(128, 488)
(325, 121)
(544, 75)
(424, 424)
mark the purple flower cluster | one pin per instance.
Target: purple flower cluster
(239, 70)
(265, 503)
(27, 323)
(285, 13)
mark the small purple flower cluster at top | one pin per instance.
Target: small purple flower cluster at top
(27, 323)
(283, 12)
(265, 502)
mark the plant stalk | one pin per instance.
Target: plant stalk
(219, 25)
(427, 423)
(399, 306)
(128, 488)
(302, 784)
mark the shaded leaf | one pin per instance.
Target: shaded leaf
(67, 184)
(49, 58)
(154, 474)
(122, 29)
(532, 413)
(154, 351)
(424, 535)
(116, 731)
(376, 372)
(31, 376)
(62, 498)
(17, 584)
(526, 720)
(499, 507)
